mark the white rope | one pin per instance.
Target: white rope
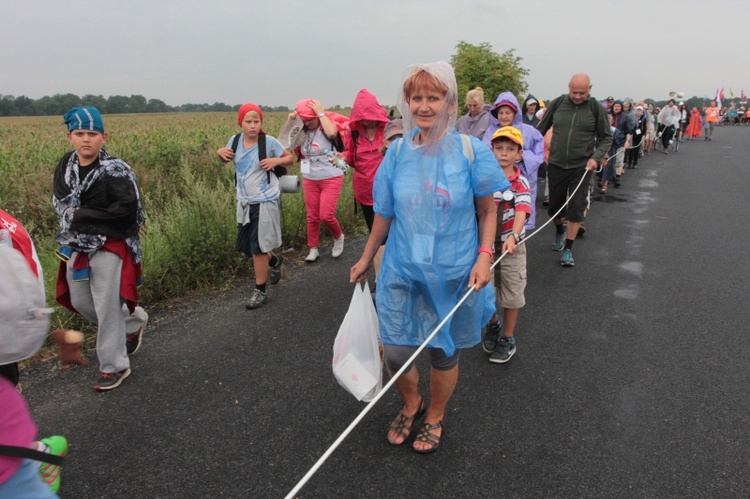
(408, 363)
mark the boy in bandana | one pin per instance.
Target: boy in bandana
(97, 200)
(258, 197)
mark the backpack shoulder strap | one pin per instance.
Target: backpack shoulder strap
(262, 154)
(558, 101)
(235, 145)
(467, 148)
(338, 143)
(236, 142)
(594, 108)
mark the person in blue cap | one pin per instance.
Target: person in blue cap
(96, 198)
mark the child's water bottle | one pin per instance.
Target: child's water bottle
(339, 163)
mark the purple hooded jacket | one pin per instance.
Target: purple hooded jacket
(533, 147)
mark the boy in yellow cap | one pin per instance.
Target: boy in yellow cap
(510, 274)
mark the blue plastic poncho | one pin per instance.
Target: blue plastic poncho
(433, 241)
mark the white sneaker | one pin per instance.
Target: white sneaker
(312, 256)
(338, 246)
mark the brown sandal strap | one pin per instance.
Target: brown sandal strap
(398, 425)
(426, 436)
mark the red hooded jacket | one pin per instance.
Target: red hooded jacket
(364, 155)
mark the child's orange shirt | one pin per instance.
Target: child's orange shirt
(712, 114)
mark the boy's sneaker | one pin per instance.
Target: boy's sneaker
(338, 246)
(491, 335)
(56, 445)
(257, 299)
(274, 273)
(133, 341)
(506, 347)
(559, 243)
(109, 381)
(567, 259)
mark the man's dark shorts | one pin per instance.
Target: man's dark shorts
(561, 182)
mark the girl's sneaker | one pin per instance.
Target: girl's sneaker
(338, 247)
(58, 446)
(312, 255)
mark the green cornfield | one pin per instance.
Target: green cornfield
(187, 194)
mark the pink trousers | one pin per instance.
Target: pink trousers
(321, 198)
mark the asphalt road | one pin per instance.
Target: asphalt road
(630, 380)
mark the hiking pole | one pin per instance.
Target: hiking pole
(408, 363)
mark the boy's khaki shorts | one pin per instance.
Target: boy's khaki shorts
(510, 280)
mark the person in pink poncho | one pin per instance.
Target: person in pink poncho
(367, 126)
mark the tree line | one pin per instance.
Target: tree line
(60, 104)
(475, 65)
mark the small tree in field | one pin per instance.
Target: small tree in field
(480, 66)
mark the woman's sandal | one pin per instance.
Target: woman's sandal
(425, 435)
(402, 424)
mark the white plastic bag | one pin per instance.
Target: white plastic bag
(357, 359)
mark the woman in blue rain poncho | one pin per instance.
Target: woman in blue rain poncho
(433, 199)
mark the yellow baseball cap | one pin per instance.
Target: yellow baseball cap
(510, 132)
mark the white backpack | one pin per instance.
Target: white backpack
(24, 318)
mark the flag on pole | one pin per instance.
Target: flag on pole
(716, 98)
(731, 92)
(721, 95)
(743, 97)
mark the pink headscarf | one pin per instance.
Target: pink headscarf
(340, 121)
(304, 111)
(246, 108)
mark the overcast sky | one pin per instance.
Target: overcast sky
(277, 52)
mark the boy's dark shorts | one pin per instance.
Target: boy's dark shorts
(247, 235)
(561, 181)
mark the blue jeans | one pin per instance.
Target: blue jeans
(26, 483)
